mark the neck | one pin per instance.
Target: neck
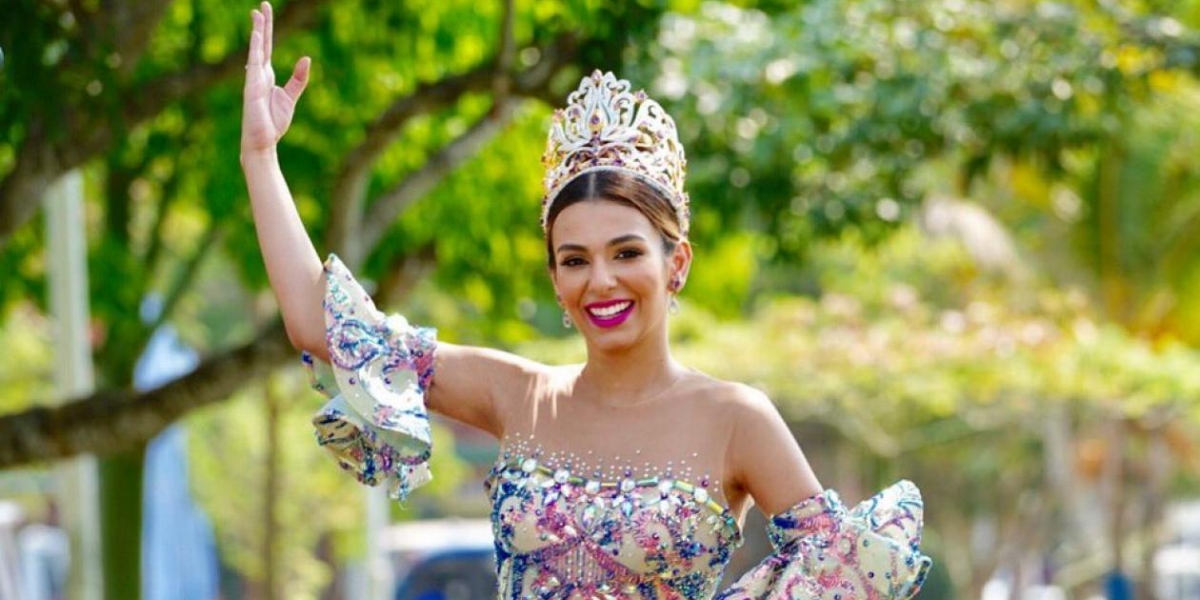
(629, 376)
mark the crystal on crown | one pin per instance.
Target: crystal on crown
(606, 127)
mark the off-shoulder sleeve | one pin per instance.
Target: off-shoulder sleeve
(375, 422)
(825, 552)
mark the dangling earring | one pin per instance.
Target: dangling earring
(676, 285)
(566, 317)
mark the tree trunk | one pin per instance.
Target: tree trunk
(121, 522)
(1114, 480)
(271, 493)
(1158, 471)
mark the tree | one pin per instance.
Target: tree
(141, 94)
(915, 362)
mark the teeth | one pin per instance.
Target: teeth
(609, 311)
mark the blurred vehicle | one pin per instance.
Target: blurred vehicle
(1178, 569)
(451, 559)
(1177, 565)
(10, 558)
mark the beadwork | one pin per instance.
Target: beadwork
(595, 532)
(567, 527)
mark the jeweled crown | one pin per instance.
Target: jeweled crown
(606, 127)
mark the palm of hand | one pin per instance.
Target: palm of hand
(267, 107)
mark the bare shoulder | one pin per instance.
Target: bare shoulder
(764, 458)
(732, 399)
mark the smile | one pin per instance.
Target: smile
(610, 314)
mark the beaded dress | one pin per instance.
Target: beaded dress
(579, 517)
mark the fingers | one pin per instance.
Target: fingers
(255, 59)
(299, 80)
(269, 28)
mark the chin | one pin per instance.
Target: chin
(607, 343)
(621, 339)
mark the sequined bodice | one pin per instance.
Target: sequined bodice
(567, 534)
(567, 529)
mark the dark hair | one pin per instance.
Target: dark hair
(621, 187)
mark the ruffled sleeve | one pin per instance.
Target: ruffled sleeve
(825, 552)
(375, 422)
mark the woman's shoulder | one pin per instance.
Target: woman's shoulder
(728, 396)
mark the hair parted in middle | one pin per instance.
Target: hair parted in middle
(621, 187)
(612, 143)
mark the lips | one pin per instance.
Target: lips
(610, 313)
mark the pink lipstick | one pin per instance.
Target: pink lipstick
(609, 313)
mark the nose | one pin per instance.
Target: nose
(602, 276)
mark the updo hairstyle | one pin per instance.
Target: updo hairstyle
(622, 187)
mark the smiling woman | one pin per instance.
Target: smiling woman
(627, 476)
(612, 267)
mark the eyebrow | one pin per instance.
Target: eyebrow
(630, 237)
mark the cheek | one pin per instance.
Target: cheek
(566, 284)
(649, 282)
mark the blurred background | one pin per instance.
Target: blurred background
(956, 241)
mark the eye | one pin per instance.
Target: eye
(572, 261)
(629, 253)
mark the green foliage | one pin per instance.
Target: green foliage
(228, 453)
(820, 118)
(27, 374)
(316, 499)
(932, 369)
(804, 122)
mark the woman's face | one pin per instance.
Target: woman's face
(611, 274)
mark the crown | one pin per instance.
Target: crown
(606, 127)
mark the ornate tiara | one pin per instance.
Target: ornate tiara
(605, 127)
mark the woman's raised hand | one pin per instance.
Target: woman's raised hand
(267, 109)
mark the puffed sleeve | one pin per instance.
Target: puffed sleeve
(375, 422)
(825, 552)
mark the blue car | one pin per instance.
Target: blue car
(442, 560)
(451, 575)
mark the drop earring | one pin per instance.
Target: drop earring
(566, 317)
(673, 304)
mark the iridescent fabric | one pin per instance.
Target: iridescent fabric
(375, 423)
(573, 527)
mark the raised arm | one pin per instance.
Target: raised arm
(293, 266)
(469, 380)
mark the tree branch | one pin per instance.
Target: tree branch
(127, 25)
(349, 189)
(42, 159)
(346, 220)
(150, 97)
(385, 210)
(186, 276)
(508, 50)
(114, 420)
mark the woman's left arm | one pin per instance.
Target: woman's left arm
(765, 458)
(823, 550)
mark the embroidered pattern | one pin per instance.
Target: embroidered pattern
(577, 532)
(375, 424)
(568, 529)
(825, 552)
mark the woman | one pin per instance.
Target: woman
(626, 477)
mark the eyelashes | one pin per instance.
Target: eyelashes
(624, 254)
